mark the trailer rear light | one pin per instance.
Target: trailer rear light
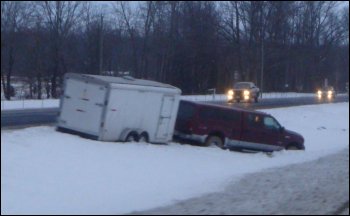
(63, 121)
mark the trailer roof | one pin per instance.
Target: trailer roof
(120, 80)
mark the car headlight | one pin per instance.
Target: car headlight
(246, 93)
(329, 95)
(230, 94)
(319, 92)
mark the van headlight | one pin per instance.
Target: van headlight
(319, 93)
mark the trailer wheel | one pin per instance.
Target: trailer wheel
(143, 137)
(132, 137)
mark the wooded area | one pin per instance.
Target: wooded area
(194, 45)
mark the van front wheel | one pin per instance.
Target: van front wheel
(214, 140)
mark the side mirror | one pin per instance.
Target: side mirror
(282, 129)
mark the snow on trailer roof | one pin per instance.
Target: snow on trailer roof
(120, 80)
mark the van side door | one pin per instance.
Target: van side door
(260, 132)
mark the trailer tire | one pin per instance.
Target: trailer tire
(132, 137)
(144, 137)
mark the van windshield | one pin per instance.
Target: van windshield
(242, 85)
(186, 111)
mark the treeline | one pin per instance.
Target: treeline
(194, 45)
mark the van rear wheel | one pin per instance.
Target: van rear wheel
(214, 140)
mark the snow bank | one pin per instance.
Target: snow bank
(47, 172)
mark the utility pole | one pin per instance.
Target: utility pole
(262, 67)
(262, 51)
(101, 46)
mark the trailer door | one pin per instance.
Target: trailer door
(165, 116)
(82, 107)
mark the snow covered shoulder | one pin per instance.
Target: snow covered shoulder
(47, 172)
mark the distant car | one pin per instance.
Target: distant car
(233, 128)
(326, 93)
(243, 91)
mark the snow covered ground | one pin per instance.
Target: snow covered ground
(47, 172)
(51, 103)
(288, 190)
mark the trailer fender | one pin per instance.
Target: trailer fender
(127, 131)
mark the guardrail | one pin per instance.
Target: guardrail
(29, 104)
(223, 97)
(52, 103)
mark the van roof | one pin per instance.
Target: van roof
(223, 107)
(119, 80)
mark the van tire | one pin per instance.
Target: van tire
(132, 137)
(214, 140)
(292, 147)
(256, 99)
(143, 137)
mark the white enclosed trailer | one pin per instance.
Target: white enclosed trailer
(118, 108)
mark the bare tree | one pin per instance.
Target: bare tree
(14, 16)
(128, 21)
(60, 17)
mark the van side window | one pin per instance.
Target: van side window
(230, 115)
(254, 120)
(219, 114)
(186, 111)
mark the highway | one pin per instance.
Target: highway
(268, 103)
(15, 118)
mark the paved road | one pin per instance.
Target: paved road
(284, 102)
(46, 116)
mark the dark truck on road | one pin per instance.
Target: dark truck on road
(243, 91)
(233, 128)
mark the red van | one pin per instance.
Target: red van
(233, 128)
